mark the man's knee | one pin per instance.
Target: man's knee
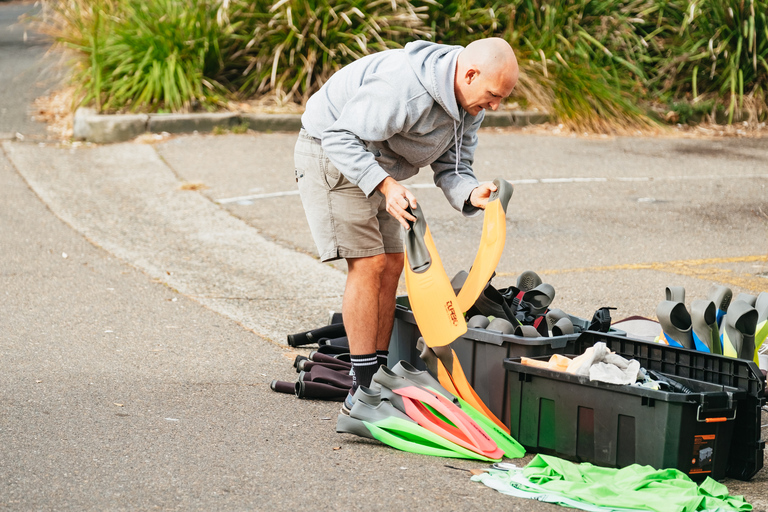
(394, 265)
(370, 265)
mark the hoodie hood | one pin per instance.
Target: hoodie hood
(435, 68)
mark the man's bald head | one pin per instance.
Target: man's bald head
(486, 73)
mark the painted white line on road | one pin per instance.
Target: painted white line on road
(253, 197)
(527, 181)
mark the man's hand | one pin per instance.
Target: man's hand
(479, 196)
(398, 199)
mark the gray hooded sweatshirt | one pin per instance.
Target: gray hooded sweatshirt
(390, 113)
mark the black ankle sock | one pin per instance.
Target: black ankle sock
(363, 368)
(382, 356)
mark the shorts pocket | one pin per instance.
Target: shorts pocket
(332, 175)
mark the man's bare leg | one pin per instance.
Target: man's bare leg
(368, 309)
(387, 296)
(360, 305)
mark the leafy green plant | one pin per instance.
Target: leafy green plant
(143, 55)
(462, 21)
(595, 64)
(291, 47)
(719, 50)
(583, 60)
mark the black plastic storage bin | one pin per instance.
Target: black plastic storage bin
(481, 353)
(611, 425)
(747, 446)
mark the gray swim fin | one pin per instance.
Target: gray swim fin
(675, 293)
(721, 296)
(746, 297)
(706, 335)
(739, 331)
(675, 323)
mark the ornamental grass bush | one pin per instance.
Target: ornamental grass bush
(594, 64)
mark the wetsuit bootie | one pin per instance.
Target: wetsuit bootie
(675, 293)
(675, 324)
(328, 358)
(282, 386)
(308, 337)
(332, 350)
(706, 335)
(341, 342)
(306, 365)
(321, 390)
(721, 296)
(738, 336)
(340, 379)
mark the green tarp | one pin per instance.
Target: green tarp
(598, 489)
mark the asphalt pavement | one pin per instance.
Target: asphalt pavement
(148, 288)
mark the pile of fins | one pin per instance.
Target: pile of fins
(409, 410)
(321, 376)
(718, 324)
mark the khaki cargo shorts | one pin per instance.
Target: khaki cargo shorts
(343, 221)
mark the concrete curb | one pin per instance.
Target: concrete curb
(105, 129)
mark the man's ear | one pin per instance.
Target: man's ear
(471, 75)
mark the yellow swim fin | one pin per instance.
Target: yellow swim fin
(430, 293)
(491, 245)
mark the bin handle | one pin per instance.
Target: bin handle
(713, 420)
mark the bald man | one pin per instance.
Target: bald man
(374, 123)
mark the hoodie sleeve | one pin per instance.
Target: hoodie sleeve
(457, 183)
(371, 116)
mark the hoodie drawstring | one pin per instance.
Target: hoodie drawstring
(457, 143)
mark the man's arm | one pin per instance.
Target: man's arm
(367, 116)
(458, 185)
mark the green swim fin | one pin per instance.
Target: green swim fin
(491, 244)
(444, 363)
(512, 449)
(507, 443)
(450, 422)
(394, 428)
(430, 293)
